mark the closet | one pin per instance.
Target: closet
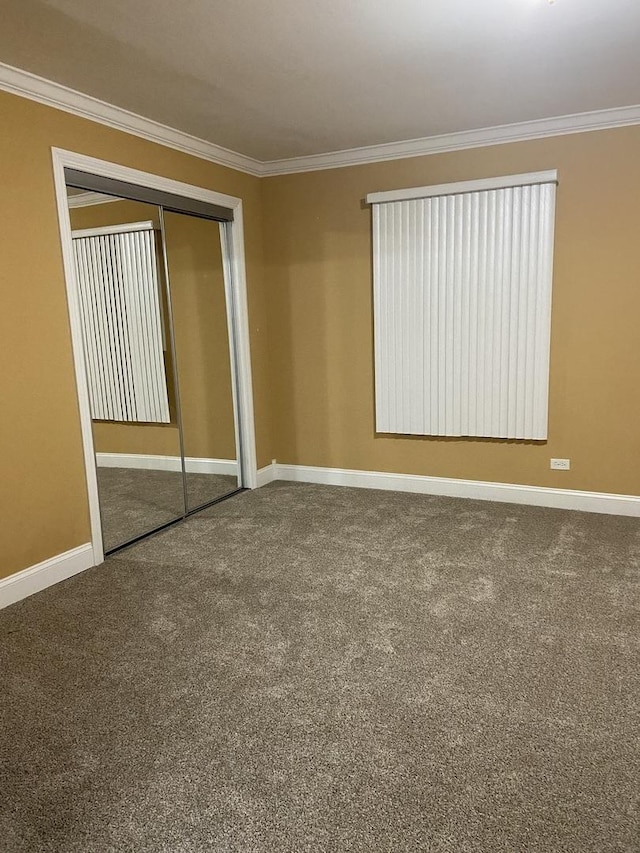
(156, 308)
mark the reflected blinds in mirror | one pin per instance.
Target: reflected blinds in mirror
(121, 313)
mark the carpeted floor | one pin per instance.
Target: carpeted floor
(305, 668)
(134, 501)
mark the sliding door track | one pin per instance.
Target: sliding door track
(174, 521)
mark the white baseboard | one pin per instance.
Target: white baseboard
(601, 502)
(267, 475)
(49, 572)
(193, 464)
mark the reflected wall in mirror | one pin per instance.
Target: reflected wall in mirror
(126, 336)
(203, 356)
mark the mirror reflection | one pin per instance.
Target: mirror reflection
(126, 334)
(155, 331)
(203, 358)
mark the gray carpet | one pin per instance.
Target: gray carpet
(306, 668)
(134, 501)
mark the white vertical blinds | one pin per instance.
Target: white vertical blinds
(462, 309)
(120, 306)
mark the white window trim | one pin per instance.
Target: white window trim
(526, 179)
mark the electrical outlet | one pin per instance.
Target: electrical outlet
(560, 464)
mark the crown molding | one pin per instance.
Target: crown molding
(29, 85)
(500, 135)
(88, 199)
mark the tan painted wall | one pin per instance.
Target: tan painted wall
(201, 335)
(317, 374)
(317, 238)
(43, 502)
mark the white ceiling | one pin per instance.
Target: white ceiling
(283, 78)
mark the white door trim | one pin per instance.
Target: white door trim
(68, 159)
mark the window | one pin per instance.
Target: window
(462, 307)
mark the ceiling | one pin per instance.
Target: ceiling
(282, 78)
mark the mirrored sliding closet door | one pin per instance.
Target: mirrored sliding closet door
(203, 356)
(158, 357)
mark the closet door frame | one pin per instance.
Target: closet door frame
(235, 285)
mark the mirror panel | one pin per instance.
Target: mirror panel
(126, 335)
(203, 359)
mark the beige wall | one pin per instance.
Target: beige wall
(43, 501)
(313, 286)
(201, 336)
(317, 236)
